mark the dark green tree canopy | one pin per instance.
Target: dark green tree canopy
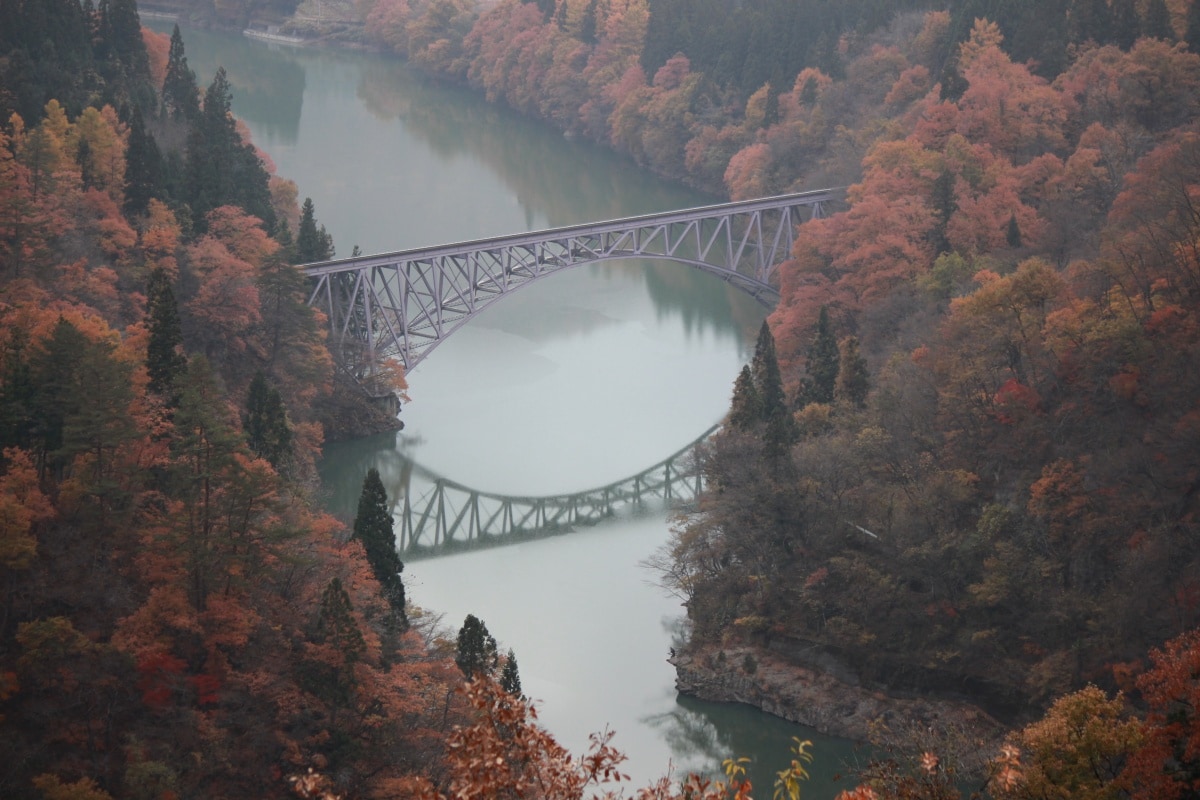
(746, 409)
(180, 92)
(853, 380)
(122, 55)
(265, 422)
(475, 653)
(165, 360)
(143, 168)
(1157, 22)
(221, 169)
(822, 362)
(312, 243)
(510, 676)
(374, 527)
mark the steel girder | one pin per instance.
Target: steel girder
(402, 305)
(447, 514)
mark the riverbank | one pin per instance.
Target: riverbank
(831, 703)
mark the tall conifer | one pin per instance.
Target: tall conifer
(746, 409)
(475, 651)
(265, 422)
(373, 526)
(853, 381)
(780, 431)
(823, 361)
(143, 168)
(510, 676)
(221, 169)
(1192, 35)
(180, 92)
(1157, 22)
(312, 243)
(165, 361)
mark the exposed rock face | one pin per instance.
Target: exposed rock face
(814, 696)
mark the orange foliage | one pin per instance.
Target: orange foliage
(158, 48)
(1167, 765)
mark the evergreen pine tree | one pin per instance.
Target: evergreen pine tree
(945, 205)
(337, 628)
(143, 168)
(1192, 34)
(86, 164)
(823, 361)
(510, 676)
(265, 422)
(17, 391)
(221, 169)
(81, 401)
(1125, 26)
(165, 361)
(475, 652)
(312, 243)
(122, 55)
(180, 92)
(1157, 22)
(745, 411)
(336, 624)
(764, 368)
(780, 431)
(1013, 235)
(373, 526)
(853, 380)
(1089, 20)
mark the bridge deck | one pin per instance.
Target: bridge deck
(401, 305)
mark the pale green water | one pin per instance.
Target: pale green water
(574, 382)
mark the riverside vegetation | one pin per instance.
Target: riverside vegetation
(965, 454)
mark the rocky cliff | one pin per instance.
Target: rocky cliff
(825, 697)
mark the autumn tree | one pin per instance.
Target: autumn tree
(373, 526)
(1078, 748)
(1166, 765)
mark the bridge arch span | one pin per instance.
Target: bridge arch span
(401, 305)
(435, 514)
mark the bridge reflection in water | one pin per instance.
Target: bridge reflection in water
(435, 515)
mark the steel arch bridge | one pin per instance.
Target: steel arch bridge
(401, 305)
(443, 515)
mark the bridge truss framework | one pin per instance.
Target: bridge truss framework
(448, 514)
(401, 305)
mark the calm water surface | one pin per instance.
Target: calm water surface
(572, 383)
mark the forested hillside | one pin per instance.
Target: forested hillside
(964, 458)
(177, 617)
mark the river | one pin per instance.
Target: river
(574, 382)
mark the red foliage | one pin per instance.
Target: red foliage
(1167, 765)
(159, 678)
